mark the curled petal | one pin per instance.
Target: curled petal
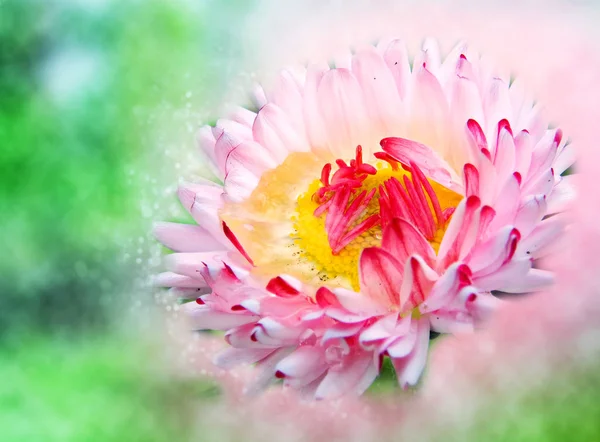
(351, 376)
(409, 368)
(407, 151)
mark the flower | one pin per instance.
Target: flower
(364, 207)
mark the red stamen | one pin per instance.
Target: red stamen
(359, 158)
(417, 208)
(418, 186)
(343, 202)
(367, 224)
(399, 193)
(431, 193)
(325, 174)
(384, 156)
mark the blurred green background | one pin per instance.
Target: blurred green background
(96, 108)
(99, 101)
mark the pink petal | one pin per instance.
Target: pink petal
(471, 177)
(187, 293)
(396, 58)
(225, 143)
(315, 125)
(303, 366)
(381, 100)
(562, 195)
(343, 315)
(203, 201)
(236, 243)
(531, 212)
(403, 345)
(258, 96)
(476, 136)
(243, 116)
(488, 177)
(270, 330)
(185, 237)
(358, 304)
(508, 201)
(543, 154)
(466, 103)
(286, 93)
(193, 264)
(450, 322)
(497, 102)
(380, 276)
(341, 330)
(523, 152)
(546, 233)
(493, 253)
(206, 141)
(284, 286)
(417, 282)
(535, 280)
(295, 307)
(239, 183)
(326, 298)
(407, 151)
(430, 56)
(170, 279)
(402, 239)
(232, 357)
(428, 105)
(265, 371)
(483, 305)
(204, 318)
(409, 368)
(446, 288)
(243, 337)
(342, 107)
(504, 159)
(541, 185)
(366, 379)
(346, 379)
(273, 130)
(235, 129)
(460, 225)
(381, 329)
(565, 159)
(514, 270)
(251, 156)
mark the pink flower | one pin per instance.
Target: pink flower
(363, 207)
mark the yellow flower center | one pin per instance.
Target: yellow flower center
(310, 234)
(278, 227)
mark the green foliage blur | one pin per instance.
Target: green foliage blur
(82, 84)
(79, 86)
